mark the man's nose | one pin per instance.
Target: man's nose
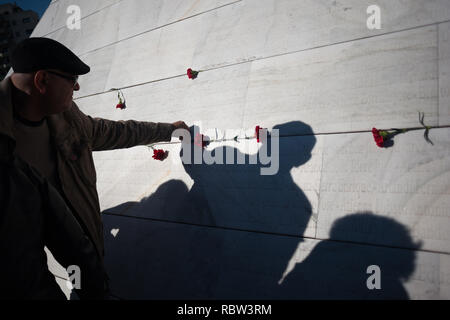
(76, 87)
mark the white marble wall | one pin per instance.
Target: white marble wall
(328, 88)
(408, 182)
(315, 71)
(444, 73)
(56, 15)
(235, 32)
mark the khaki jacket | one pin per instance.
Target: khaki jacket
(75, 135)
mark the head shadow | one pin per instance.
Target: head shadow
(234, 192)
(298, 146)
(366, 257)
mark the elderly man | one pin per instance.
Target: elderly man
(52, 135)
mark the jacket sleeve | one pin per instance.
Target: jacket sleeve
(108, 134)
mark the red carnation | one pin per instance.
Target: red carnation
(257, 132)
(383, 137)
(191, 73)
(120, 106)
(159, 154)
(377, 135)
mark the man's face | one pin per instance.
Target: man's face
(60, 87)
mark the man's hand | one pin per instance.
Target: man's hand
(180, 125)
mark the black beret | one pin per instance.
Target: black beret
(35, 54)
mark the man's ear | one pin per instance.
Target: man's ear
(40, 81)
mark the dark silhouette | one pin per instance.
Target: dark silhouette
(238, 196)
(338, 270)
(254, 226)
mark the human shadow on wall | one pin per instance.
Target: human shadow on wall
(341, 269)
(243, 252)
(230, 199)
(240, 196)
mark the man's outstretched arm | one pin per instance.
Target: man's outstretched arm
(108, 134)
